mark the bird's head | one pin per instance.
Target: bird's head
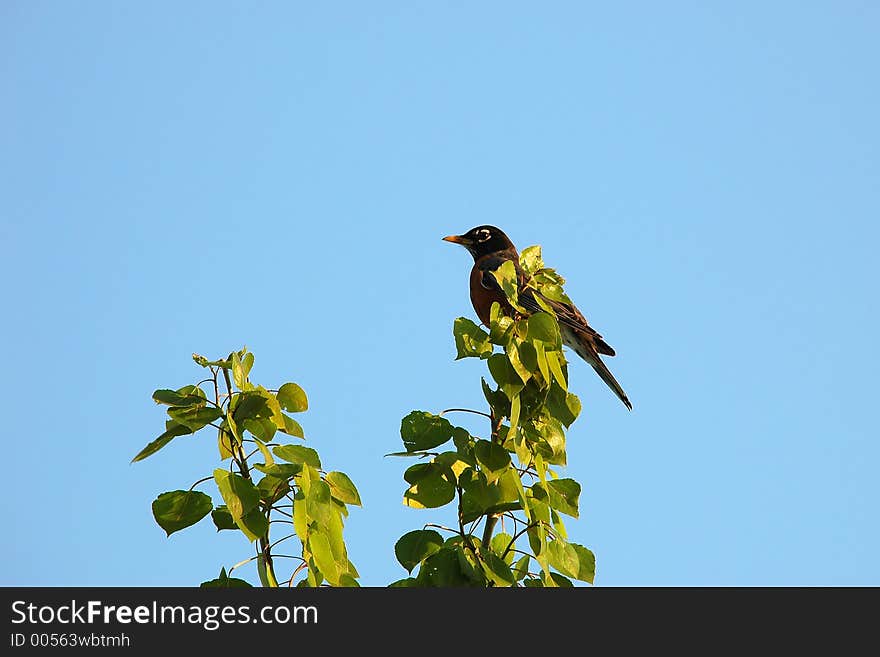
(482, 240)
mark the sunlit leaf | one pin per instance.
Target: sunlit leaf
(292, 398)
(563, 558)
(500, 543)
(530, 259)
(507, 279)
(342, 488)
(470, 339)
(240, 495)
(431, 486)
(543, 327)
(291, 427)
(298, 454)
(170, 433)
(586, 563)
(320, 548)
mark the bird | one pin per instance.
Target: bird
(490, 248)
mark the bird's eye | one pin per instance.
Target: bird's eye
(482, 235)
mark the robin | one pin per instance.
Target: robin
(490, 248)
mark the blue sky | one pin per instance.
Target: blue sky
(202, 176)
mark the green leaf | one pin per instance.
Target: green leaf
(420, 431)
(225, 440)
(272, 488)
(457, 461)
(553, 358)
(279, 470)
(186, 396)
(543, 327)
(496, 399)
(194, 417)
(273, 407)
(552, 441)
(502, 371)
(514, 413)
(342, 488)
(172, 431)
(543, 367)
(292, 398)
(300, 517)
(250, 405)
(432, 485)
(405, 583)
(512, 350)
(586, 563)
(241, 367)
(561, 494)
(253, 524)
(564, 406)
(563, 558)
(558, 580)
(320, 549)
(499, 325)
(178, 509)
(470, 340)
(554, 292)
(564, 494)
(262, 428)
(443, 569)
(530, 259)
(222, 518)
(348, 581)
(528, 356)
(499, 545)
(493, 457)
(496, 569)
(333, 531)
(507, 279)
(298, 454)
(240, 495)
(264, 450)
(521, 567)
(319, 504)
(479, 497)
(291, 427)
(224, 582)
(415, 546)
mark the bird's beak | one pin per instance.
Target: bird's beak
(457, 239)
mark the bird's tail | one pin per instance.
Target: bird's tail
(606, 375)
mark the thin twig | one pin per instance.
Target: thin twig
(200, 481)
(466, 410)
(517, 535)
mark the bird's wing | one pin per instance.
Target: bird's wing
(568, 315)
